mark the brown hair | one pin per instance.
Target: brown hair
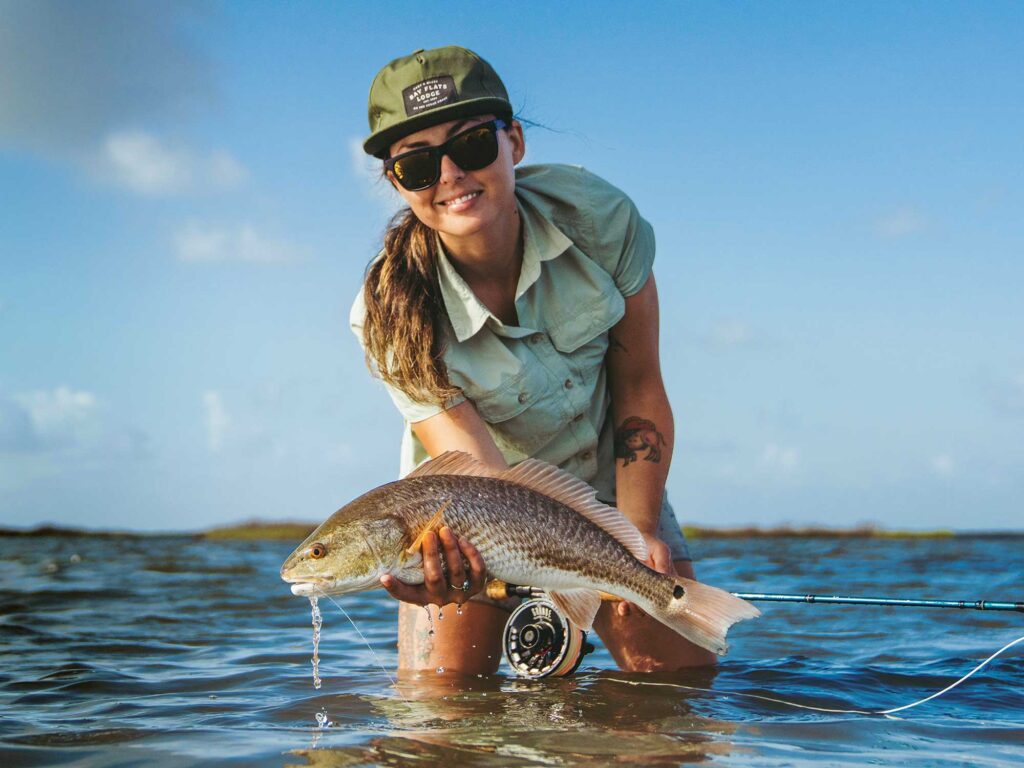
(405, 314)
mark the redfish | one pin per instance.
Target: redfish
(533, 524)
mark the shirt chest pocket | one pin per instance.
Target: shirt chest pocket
(522, 413)
(582, 338)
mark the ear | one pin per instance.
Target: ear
(518, 140)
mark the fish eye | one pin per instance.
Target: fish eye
(318, 550)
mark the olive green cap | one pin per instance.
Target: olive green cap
(427, 88)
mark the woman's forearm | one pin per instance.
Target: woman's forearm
(644, 439)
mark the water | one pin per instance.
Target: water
(176, 651)
(318, 623)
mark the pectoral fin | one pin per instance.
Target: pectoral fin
(433, 523)
(580, 605)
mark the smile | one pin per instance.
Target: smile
(461, 199)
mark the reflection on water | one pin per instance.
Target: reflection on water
(175, 651)
(567, 721)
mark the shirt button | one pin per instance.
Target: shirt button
(586, 455)
(523, 397)
(537, 338)
(569, 384)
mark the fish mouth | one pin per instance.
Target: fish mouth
(306, 586)
(308, 589)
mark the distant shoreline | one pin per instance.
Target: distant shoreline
(296, 531)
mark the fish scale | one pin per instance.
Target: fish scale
(519, 532)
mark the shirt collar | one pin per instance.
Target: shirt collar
(542, 241)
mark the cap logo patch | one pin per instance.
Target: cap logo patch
(430, 93)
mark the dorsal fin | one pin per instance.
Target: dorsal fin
(453, 463)
(570, 490)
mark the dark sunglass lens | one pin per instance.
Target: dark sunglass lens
(475, 149)
(416, 171)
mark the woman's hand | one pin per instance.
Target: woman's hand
(660, 559)
(436, 589)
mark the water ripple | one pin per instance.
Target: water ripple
(179, 651)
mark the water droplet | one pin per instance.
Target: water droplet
(75, 558)
(318, 621)
(440, 670)
(458, 609)
(440, 613)
(322, 721)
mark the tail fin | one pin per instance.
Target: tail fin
(703, 614)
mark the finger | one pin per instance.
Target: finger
(433, 575)
(662, 558)
(452, 555)
(477, 567)
(407, 593)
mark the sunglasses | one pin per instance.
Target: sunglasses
(471, 150)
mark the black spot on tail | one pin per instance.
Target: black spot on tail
(678, 592)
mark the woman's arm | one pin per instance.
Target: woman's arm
(644, 430)
(457, 429)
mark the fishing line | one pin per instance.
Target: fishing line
(376, 658)
(886, 712)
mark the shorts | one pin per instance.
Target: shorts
(671, 532)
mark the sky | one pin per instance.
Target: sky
(837, 192)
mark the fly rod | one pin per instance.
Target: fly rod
(499, 590)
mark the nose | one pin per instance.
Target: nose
(450, 172)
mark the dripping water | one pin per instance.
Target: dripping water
(318, 621)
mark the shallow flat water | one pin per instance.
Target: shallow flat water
(177, 651)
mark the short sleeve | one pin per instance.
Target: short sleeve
(412, 410)
(620, 239)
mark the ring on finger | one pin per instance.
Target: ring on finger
(464, 586)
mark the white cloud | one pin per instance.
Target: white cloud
(901, 223)
(62, 416)
(75, 72)
(943, 464)
(217, 420)
(780, 458)
(224, 170)
(143, 163)
(729, 333)
(64, 421)
(199, 243)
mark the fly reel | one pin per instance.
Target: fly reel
(540, 642)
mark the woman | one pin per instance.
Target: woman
(512, 313)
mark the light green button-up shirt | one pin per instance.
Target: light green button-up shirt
(541, 386)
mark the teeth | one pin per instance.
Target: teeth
(462, 199)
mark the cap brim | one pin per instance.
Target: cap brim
(378, 143)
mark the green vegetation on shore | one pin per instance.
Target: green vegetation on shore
(256, 530)
(261, 531)
(811, 532)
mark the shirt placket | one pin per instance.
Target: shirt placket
(574, 401)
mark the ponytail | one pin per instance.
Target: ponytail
(403, 334)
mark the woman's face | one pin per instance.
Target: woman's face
(464, 203)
